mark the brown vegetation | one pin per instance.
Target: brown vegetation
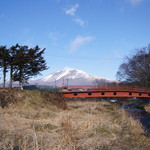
(35, 98)
(147, 108)
(7, 97)
(32, 123)
(55, 98)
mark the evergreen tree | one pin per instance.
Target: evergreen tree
(20, 63)
(4, 62)
(36, 61)
(28, 63)
(12, 59)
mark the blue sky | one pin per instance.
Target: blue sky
(90, 35)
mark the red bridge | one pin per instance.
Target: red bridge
(106, 91)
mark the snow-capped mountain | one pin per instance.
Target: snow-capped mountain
(68, 76)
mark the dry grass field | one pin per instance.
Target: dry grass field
(33, 123)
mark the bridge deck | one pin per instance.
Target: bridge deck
(106, 91)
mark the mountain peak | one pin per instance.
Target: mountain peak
(68, 68)
(69, 76)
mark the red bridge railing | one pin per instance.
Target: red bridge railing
(105, 88)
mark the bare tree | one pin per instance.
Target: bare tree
(136, 68)
(99, 82)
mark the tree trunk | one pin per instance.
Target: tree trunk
(20, 79)
(4, 77)
(20, 85)
(10, 82)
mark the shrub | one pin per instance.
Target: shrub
(7, 97)
(55, 98)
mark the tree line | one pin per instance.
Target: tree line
(21, 62)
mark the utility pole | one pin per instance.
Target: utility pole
(67, 82)
(55, 83)
(63, 83)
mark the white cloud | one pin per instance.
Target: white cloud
(79, 41)
(79, 21)
(135, 2)
(72, 10)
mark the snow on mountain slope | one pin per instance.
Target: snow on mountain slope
(68, 76)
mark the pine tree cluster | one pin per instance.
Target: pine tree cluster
(22, 62)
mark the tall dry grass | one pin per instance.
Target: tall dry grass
(34, 124)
